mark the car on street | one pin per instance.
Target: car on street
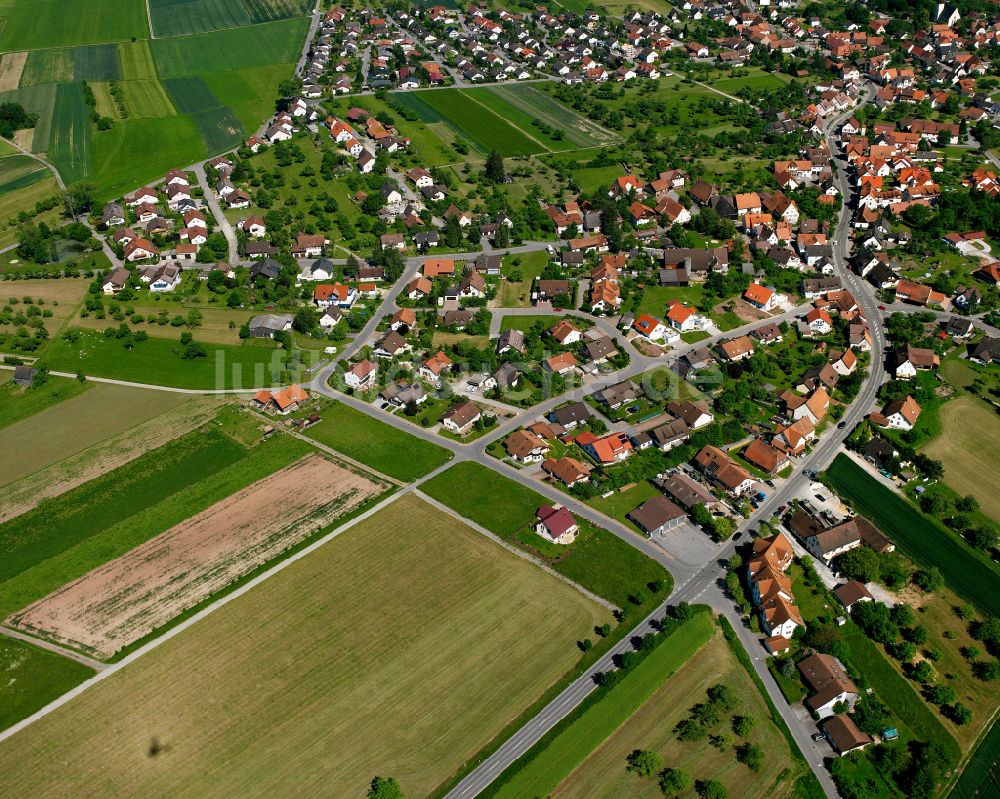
(841, 425)
(882, 308)
(737, 537)
(821, 498)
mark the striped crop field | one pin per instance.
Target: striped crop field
(137, 61)
(577, 129)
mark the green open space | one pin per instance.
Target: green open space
(243, 91)
(39, 100)
(507, 107)
(237, 48)
(106, 517)
(535, 104)
(920, 537)
(416, 654)
(183, 17)
(32, 678)
(69, 147)
(557, 754)
(96, 62)
(651, 728)
(160, 361)
(485, 130)
(38, 24)
(376, 444)
(598, 560)
(981, 777)
(969, 447)
(135, 151)
(48, 66)
(18, 402)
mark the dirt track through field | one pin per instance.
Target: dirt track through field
(129, 597)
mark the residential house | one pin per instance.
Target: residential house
(724, 471)
(526, 447)
(361, 376)
(556, 524)
(830, 685)
(460, 418)
(570, 415)
(567, 470)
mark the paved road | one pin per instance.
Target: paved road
(96, 665)
(220, 218)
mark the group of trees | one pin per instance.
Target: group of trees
(13, 117)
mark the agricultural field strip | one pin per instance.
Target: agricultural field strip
(133, 595)
(581, 131)
(205, 651)
(483, 105)
(515, 550)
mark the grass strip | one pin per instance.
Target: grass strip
(566, 745)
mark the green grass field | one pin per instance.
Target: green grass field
(513, 108)
(106, 517)
(159, 361)
(74, 416)
(136, 150)
(597, 560)
(556, 756)
(13, 201)
(485, 130)
(96, 62)
(69, 147)
(190, 93)
(980, 777)
(602, 774)
(920, 537)
(220, 129)
(182, 17)
(969, 447)
(39, 100)
(48, 66)
(363, 659)
(18, 172)
(137, 60)
(241, 90)
(146, 99)
(899, 694)
(32, 678)
(17, 403)
(37, 24)
(364, 438)
(237, 48)
(535, 104)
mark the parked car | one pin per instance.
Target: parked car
(821, 498)
(737, 537)
(841, 425)
(818, 736)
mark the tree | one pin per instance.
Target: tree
(942, 694)
(751, 756)
(304, 320)
(860, 563)
(194, 349)
(742, 725)
(871, 715)
(384, 788)
(711, 789)
(873, 618)
(928, 579)
(81, 198)
(960, 714)
(673, 781)
(644, 763)
(724, 697)
(494, 169)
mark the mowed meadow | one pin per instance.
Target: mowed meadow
(363, 659)
(204, 83)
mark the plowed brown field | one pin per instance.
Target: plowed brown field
(129, 597)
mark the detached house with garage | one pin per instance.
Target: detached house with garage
(724, 471)
(771, 590)
(830, 685)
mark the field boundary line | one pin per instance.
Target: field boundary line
(56, 649)
(113, 668)
(465, 93)
(519, 552)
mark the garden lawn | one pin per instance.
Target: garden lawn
(621, 503)
(382, 447)
(920, 537)
(651, 727)
(556, 756)
(969, 448)
(525, 323)
(32, 678)
(598, 560)
(158, 361)
(105, 518)
(402, 660)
